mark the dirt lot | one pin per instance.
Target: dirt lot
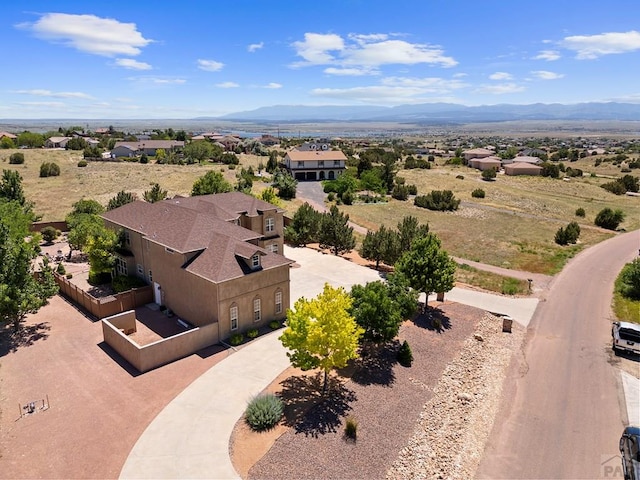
(98, 406)
(386, 399)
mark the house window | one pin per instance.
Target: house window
(127, 237)
(278, 303)
(336, 163)
(300, 164)
(150, 276)
(255, 261)
(321, 164)
(140, 270)
(256, 310)
(121, 266)
(169, 250)
(273, 248)
(233, 316)
(271, 224)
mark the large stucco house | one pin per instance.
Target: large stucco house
(211, 259)
(148, 147)
(315, 161)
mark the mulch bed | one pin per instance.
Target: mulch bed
(383, 397)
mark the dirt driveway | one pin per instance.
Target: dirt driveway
(99, 407)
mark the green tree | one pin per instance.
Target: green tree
(6, 143)
(11, 187)
(85, 205)
(370, 180)
(198, 150)
(100, 250)
(49, 169)
(286, 184)
(630, 280)
(49, 234)
(439, 200)
(409, 229)
(16, 158)
(335, 232)
(30, 140)
(609, 219)
(380, 246)
(550, 170)
(245, 180)
(304, 226)
(77, 143)
(82, 226)
(269, 195)
(161, 155)
(155, 194)
(321, 333)
(427, 267)
(121, 198)
(405, 298)
(21, 292)
(272, 163)
(210, 183)
(375, 310)
(388, 170)
(489, 174)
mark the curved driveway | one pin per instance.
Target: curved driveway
(562, 410)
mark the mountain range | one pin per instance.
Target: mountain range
(437, 113)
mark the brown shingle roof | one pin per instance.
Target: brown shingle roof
(228, 205)
(151, 144)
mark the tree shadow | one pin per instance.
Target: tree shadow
(375, 365)
(27, 335)
(308, 411)
(432, 318)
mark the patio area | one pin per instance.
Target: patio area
(153, 325)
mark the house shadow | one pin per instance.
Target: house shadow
(307, 411)
(119, 359)
(432, 318)
(374, 366)
(11, 340)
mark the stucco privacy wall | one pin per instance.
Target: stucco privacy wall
(148, 357)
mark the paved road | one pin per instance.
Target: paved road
(563, 408)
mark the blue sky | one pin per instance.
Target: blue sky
(143, 59)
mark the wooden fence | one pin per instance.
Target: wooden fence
(106, 306)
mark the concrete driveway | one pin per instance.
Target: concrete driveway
(190, 437)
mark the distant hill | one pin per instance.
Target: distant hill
(438, 113)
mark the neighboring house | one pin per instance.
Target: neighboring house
(211, 259)
(523, 159)
(56, 142)
(268, 140)
(8, 135)
(522, 168)
(477, 153)
(486, 163)
(230, 142)
(148, 147)
(315, 161)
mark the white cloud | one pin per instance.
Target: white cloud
(227, 85)
(255, 46)
(396, 90)
(546, 75)
(349, 72)
(316, 47)
(132, 64)
(273, 85)
(210, 65)
(501, 76)
(365, 53)
(168, 81)
(589, 47)
(89, 33)
(43, 104)
(548, 55)
(500, 89)
(49, 93)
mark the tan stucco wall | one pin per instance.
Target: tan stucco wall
(243, 291)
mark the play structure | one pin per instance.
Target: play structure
(34, 406)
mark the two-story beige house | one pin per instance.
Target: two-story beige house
(315, 161)
(210, 259)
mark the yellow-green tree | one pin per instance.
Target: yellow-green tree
(321, 333)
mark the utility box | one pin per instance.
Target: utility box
(507, 322)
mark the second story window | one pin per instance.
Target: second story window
(270, 224)
(300, 164)
(255, 261)
(320, 163)
(127, 237)
(336, 163)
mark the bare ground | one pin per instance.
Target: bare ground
(385, 399)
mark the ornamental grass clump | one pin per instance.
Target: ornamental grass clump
(264, 412)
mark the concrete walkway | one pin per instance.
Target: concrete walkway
(631, 387)
(190, 437)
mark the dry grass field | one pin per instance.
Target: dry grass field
(513, 226)
(54, 196)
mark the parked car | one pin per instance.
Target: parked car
(630, 453)
(626, 337)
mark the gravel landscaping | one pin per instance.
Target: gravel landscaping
(427, 421)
